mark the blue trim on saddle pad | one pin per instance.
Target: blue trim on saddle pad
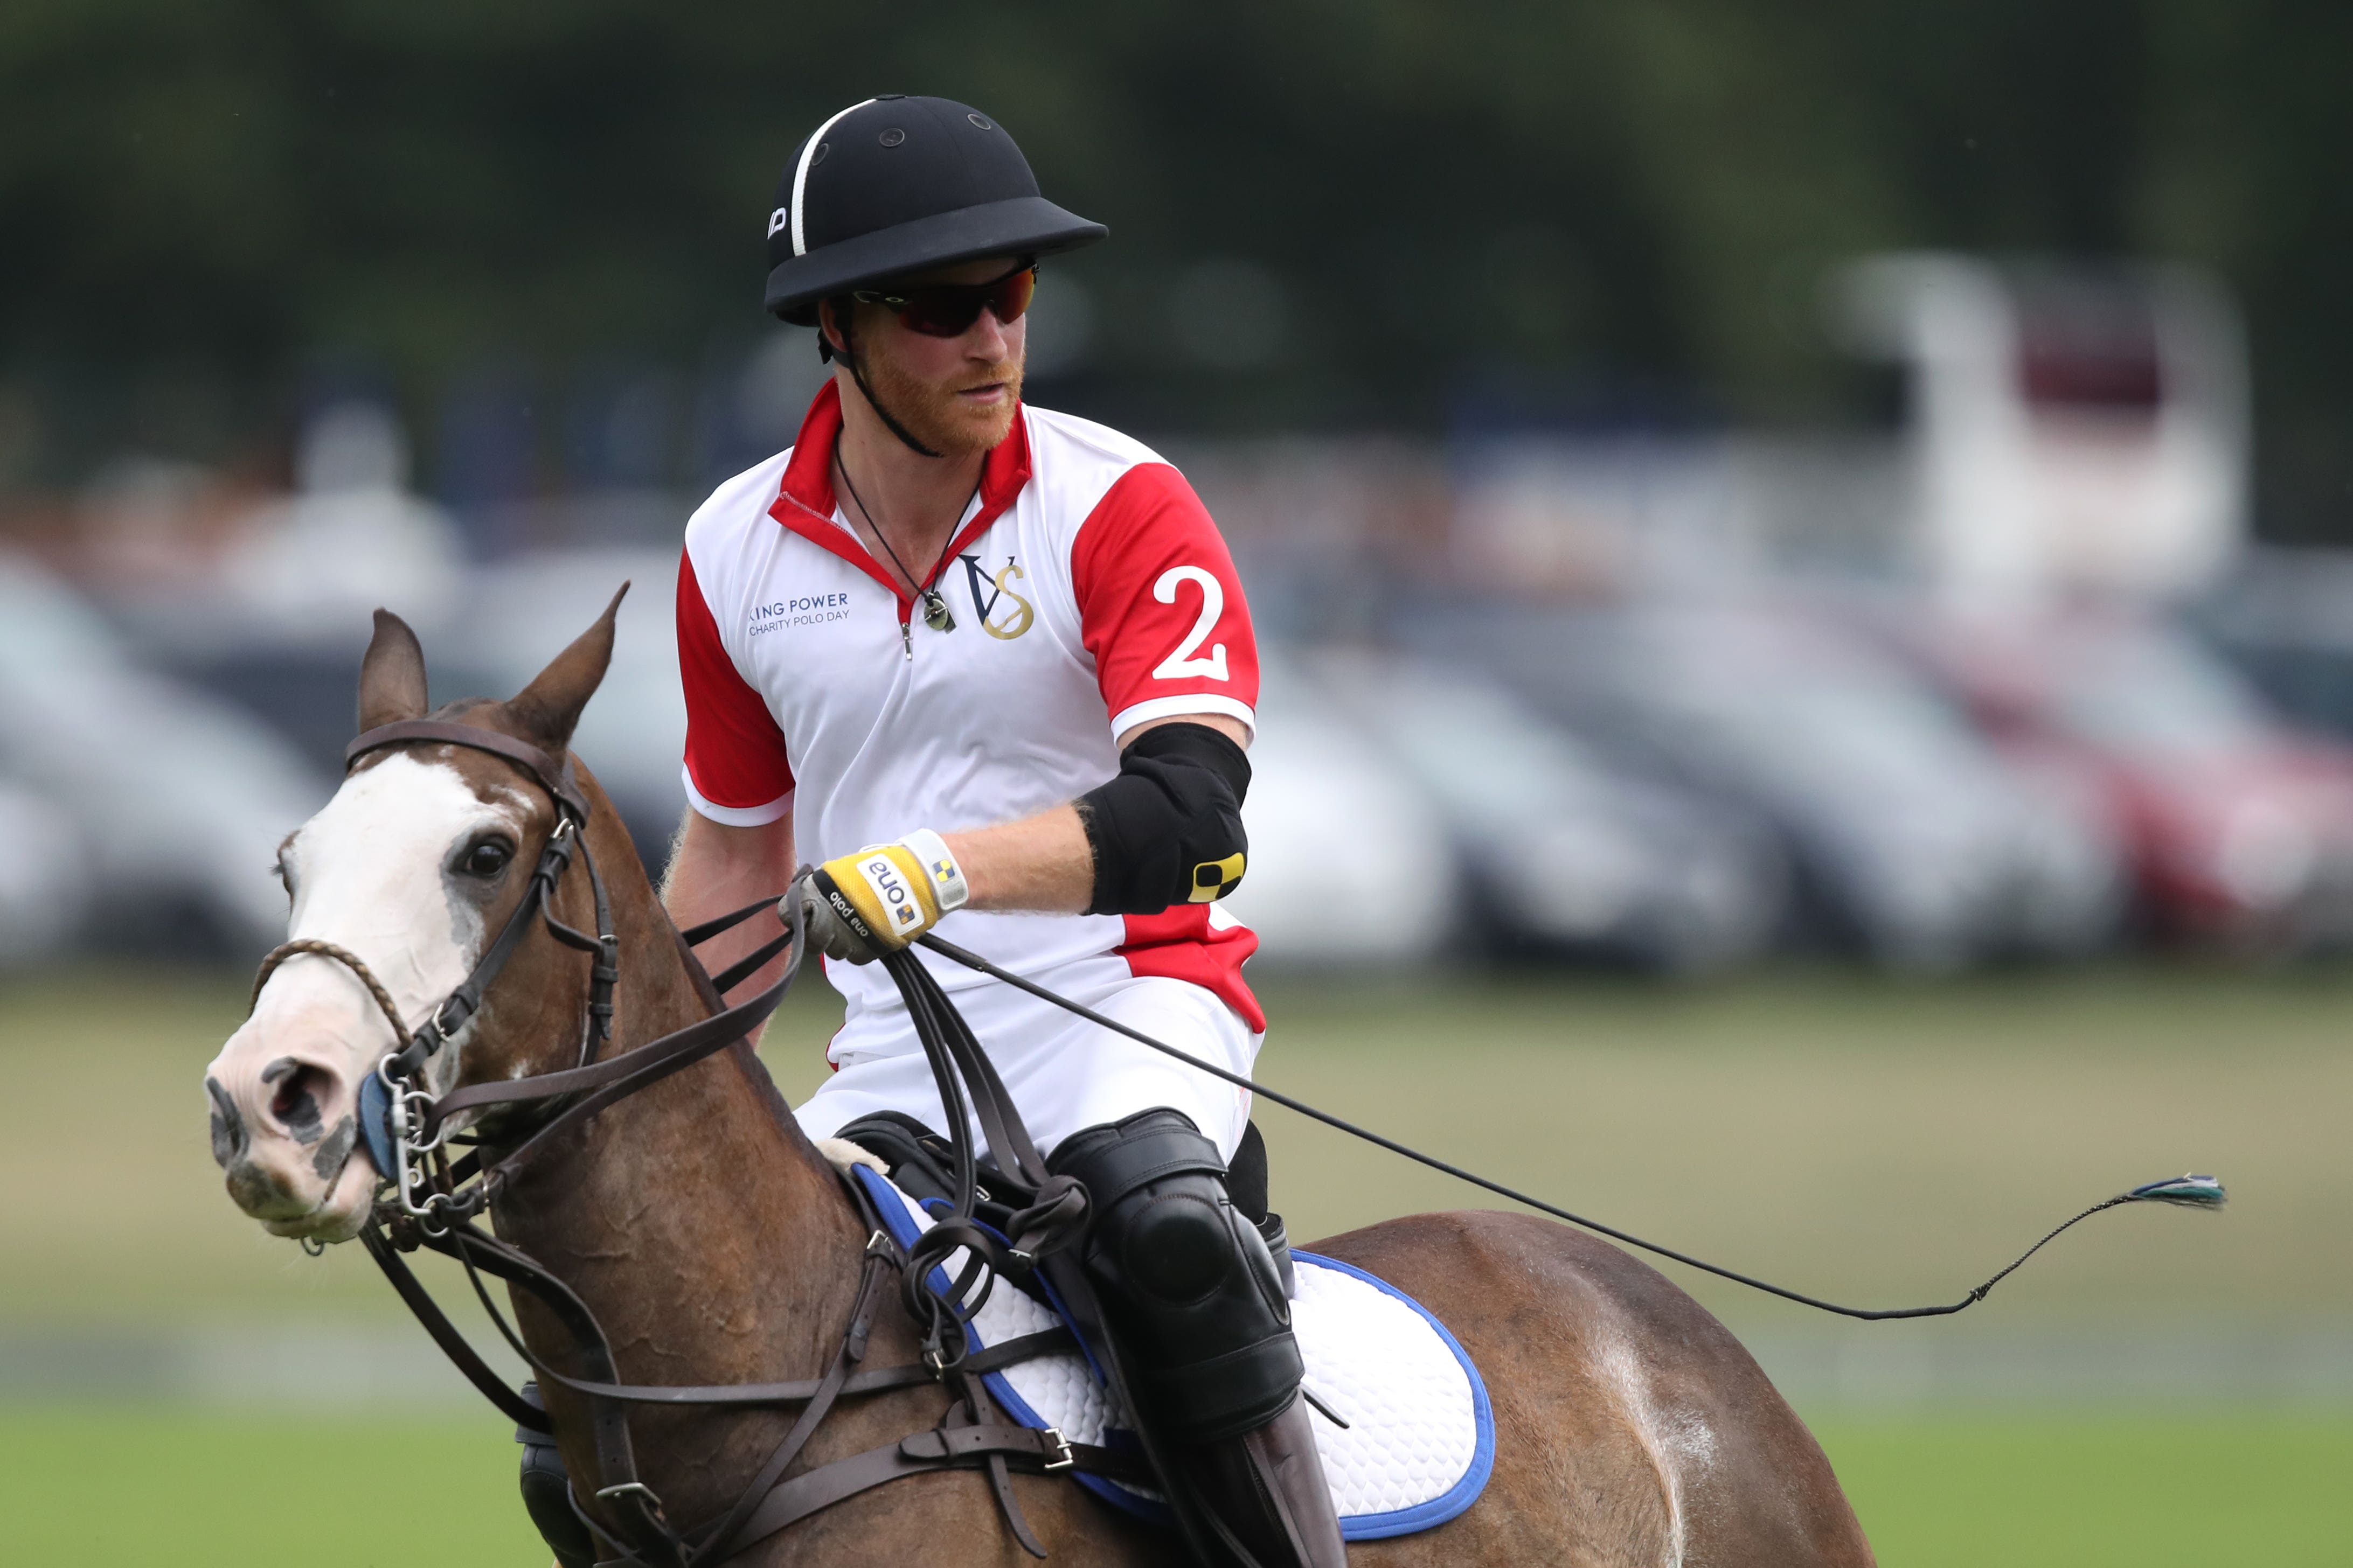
(1462, 1493)
(892, 1206)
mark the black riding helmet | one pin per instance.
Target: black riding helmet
(896, 185)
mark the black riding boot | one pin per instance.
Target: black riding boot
(547, 1495)
(1268, 1487)
(1192, 1290)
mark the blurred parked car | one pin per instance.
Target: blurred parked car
(1564, 852)
(44, 877)
(1348, 862)
(1911, 841)
(1322, 791)
(2240, 829)
(486, 636)
(180, 800)
(2284, 619)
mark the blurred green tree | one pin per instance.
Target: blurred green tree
(1326, 213)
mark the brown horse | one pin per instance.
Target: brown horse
(717, 1245)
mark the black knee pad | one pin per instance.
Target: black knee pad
(1186, 1278)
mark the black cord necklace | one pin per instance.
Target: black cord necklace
(936, 613)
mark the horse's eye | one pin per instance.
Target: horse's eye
(487, 858)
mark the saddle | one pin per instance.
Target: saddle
(920, 1165)
(1403, 1423)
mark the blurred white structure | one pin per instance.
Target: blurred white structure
(2069, 429)
(44, 893)
(166, 806)
(352, 537)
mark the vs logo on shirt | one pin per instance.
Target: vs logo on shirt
(989, 593)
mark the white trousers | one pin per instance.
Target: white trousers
(1064, 1074)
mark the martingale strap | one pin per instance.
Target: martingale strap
(1055, 1341)
(445, 1333)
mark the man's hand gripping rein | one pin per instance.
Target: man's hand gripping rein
(877, 900)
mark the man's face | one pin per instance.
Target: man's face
(955, 396)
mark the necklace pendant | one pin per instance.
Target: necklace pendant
(936, 614)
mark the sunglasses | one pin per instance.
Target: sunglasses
(949, 310)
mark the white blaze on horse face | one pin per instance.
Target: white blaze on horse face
(371, 874)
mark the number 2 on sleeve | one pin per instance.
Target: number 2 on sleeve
(1181, 663)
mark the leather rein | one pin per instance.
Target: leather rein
(434, 1202)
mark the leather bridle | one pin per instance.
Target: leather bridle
(434, 1202)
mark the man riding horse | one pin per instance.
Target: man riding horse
(1059, 750)
(991, 668)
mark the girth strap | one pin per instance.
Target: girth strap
(941, 1449)
(1050, 1448)
(1055, 1341)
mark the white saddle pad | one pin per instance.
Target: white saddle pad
(1420, 1439)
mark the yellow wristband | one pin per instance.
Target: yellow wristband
(949, 890)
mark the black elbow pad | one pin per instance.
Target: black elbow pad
(1169, 830)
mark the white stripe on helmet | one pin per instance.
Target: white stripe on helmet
(800, 173)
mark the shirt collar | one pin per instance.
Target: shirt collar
(808, 474)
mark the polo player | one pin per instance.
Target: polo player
(991, 669)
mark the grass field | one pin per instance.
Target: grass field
(2219, 1492)
(125, 1490)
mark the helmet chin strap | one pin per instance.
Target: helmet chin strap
(848, 356)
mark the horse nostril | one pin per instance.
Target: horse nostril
(228, 1127)
(295, 1106)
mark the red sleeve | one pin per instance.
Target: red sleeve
(734, 754)
(1160, 605)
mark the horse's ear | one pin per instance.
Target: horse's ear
(392, 677)
(550, 706)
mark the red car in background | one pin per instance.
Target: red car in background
(2239, 829)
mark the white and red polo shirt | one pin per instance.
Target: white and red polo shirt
(1091, 593)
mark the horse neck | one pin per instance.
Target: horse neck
(707, 1234)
